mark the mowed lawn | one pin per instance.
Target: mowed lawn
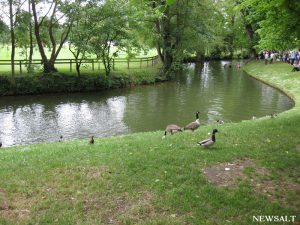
(65, 68)
(253, 169)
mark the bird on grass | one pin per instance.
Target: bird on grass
(210, 141)
(60, 138)
(91, 141)
(193, 125)
(220, 121)
(172, 129)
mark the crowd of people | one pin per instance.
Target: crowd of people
(291, 57)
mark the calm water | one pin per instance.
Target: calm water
(218, 93)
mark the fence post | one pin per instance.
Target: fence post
(113, 64)
(20, 63)
(93, 68)
(70, 65)
(127, 63)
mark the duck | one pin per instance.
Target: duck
(193, 125)
(210, 141)
(172, 129)
(91, 141)
(220, 121)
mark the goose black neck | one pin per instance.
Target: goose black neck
(197, 115)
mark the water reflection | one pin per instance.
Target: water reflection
(218, 92)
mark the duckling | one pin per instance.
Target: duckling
(210, 141)
(193, 125)
(220, 121)
(91, 141)
(172, 129)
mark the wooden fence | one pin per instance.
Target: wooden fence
(93, 64)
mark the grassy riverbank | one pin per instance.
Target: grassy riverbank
(90, 81)
(144, 179)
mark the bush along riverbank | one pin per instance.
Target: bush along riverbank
(252, 172)
(60, 83)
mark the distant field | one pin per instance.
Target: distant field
(66, 54)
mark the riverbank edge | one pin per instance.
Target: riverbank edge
(275, 79)
(273, 85)
(66, 83)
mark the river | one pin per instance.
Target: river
(217, 92)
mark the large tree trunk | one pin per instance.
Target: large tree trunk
(250, 33)
(29, 68)
(13, 41)
(47, 67)
(167, 44)
(231, 37)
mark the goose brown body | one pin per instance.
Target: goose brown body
(91, 140)
(193, 125)
(173, 128)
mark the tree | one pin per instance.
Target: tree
(53, 26)
(24, 38)
(275, 21)
(14, 7)
(4, 30)
(110, 31)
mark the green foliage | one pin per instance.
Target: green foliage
(4, 32)
(63, 83)
(276, 21)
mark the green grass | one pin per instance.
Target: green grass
(144, 179)
(66, 54)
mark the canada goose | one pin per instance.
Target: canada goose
(210, 141)
(91, 141)
(193, 125)
(0, 144)
(172, 129)
(220, 121)
(273, 115)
